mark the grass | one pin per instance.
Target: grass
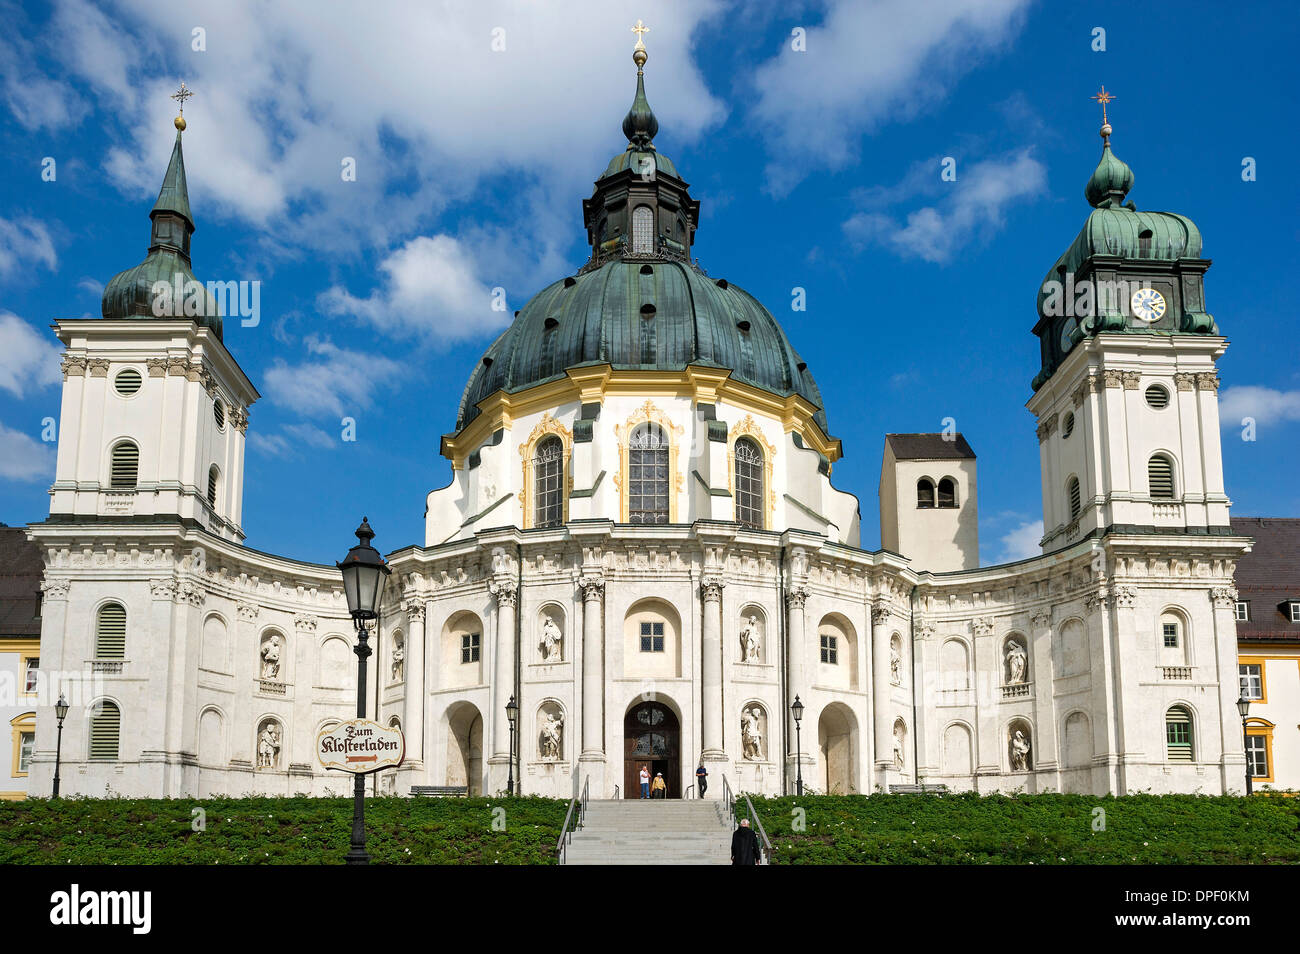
(454, 831)
(1031, 829)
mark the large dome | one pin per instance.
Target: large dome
(660, 315)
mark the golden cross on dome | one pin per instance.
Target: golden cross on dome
(181, 95)
(640, 29)
(1104, 97)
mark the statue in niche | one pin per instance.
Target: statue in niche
(751, 734)
(552, 736)
(895, 665)
(399, 659)
(749, 641)
(1019, 752)
(898, 748)
(1017, 659)
(271, 658)
(268, 746)
(552, 640)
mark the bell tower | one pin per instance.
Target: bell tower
(1127, 397)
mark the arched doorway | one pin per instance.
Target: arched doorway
(835, 744)
(651, 738)
(465, 747)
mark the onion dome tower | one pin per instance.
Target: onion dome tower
(130, 294)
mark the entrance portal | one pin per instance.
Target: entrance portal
(651, 738)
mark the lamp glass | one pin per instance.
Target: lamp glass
(797, 708)
(1243, 705)
(61, 708)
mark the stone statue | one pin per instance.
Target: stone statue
(268, 746)
(898, 752)
(399, 658)
(552, 736)
(271, 658)
(551, 640)
(1019, 752)
(751, 734)
(1016, 661)
(749, 646)
(895, 665)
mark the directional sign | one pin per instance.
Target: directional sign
(360, 747)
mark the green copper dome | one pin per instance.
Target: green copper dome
(130, 294)
(661, 315)
(1110, 182)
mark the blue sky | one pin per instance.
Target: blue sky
(478, 128)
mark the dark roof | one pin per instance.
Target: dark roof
(1269, 577)
(929, 447)
(21, 568)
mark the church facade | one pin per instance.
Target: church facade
(642, 550)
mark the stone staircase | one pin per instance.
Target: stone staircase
(652, 832)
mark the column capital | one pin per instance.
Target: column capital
(414, 609)
(506, 591)
(56, 588)
(593, 588)
(1124, 597)
(1224, 597)
(796, 596)
(880, 612)
(1042, 619)
(711, 588)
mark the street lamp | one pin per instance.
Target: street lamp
(364, 574)
(1243, 709)
(796, 709)
(512, 713)
(61, 712)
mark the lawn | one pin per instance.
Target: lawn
(457, 831)
(1031, 829)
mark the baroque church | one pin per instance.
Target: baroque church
(642, 552)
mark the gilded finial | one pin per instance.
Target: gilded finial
(181, 95)
(639, 55)
(1104, 97)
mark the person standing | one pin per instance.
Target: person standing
(744, 845)
(702, 778)
(659, 788)
(645, 782)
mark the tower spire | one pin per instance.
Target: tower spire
(640, 124)
(1112, 179)
(174, 195)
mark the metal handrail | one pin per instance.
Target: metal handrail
(689, 793)
(578, 802)
(729, 798)
(763, 840)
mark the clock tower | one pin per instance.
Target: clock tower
(1127, 397)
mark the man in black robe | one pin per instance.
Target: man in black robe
(744, 845)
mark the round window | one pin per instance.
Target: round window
(1067, 427)
(219, 415)
(127, 382)
(1157, 397)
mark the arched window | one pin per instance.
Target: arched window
(924, 494)
(213, 474)
(548, 483)
(1076, 499)
(643, 229)
(1160, 477)
(105, 730)
(648, 475)
(110, 632)
(749, 484)
(125, 470)
(947, 492)
(1144, 243)
(1178, 735)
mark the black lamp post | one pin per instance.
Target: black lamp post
(364, 574)
(1243, 708)
(512, 713)
(796, 708)
(61, 712)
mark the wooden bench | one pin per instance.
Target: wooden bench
(440, 790)
(918, 789)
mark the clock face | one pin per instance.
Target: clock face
(1148, 304)
(1067, 330)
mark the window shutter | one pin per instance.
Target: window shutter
(127, 382)
(1160, 477)
(212, 488)
(1157, 397)
(1178, 735)
(126, 466)
(105, 731)
(110, 632)
(1076, 501)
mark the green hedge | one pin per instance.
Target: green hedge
(1032, 829)
(457, 831)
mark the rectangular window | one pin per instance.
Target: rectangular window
(26, 745)
(1178, 733)
(469, 648)
(1252, 680)
(32, 666)
(652, 637)
(1171, 635)
(1243, 611)
(830, 650)
(1257, 755)
(1295, 612)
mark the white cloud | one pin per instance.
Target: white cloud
(292, 439)
(973, 206)
(1021, 542)
(24, 458)
(24, 240)
(865, 65)
(333, 380)
(30, 359)
(1265, 405)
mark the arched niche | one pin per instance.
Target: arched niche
(652, 640)
(1015, 660)
(1020, 746)
(212, 738)
(1074, 658)
(551, 728)
(463, 729)
(269, 745)
(752, 641)
(837, 652)
(273, 656)
(551, 633)
(837, 749)
(957, 757)
(214, 648)
(954, 665)
(900, 744)
(463, 649)
(337, 667)
(753, 732)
